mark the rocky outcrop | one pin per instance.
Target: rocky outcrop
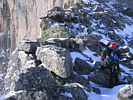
(47, 68)
(126, 93)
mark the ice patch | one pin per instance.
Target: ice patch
(67, 94)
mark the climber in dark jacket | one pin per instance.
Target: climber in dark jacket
(109, 60)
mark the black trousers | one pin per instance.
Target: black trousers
(114, 72)
(114, 79)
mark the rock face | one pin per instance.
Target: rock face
(126, 93)
(24, 16)
(5, 42)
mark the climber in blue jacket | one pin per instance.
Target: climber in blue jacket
(110, 60)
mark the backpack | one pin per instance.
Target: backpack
(112, 59)
(103, 56)
(103, 52)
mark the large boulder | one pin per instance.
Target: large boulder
(19, 63)
(54, 31)
(28, 77)
(100, 77)
(57, 13)
(126, 93)
(124, 49)
(82, 81)
(127, 60)
(130, 43)
(128, 12)
(55, 59)
(82, 67)
(28, 46)
(25, 61)
(35, 78)
(129, 78)
(89, 40)
(77, 92)
(67, 43)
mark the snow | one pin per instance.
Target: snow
(31, 56)
(91, 54)
(86, 52)
(131, 50)
(67, 94)
(81, 26)
(1, 76)
(85, 1)
(128, 31)
(106, 93)
(125, 87)
(5, 96)
(129, 71)
(2, 97)
(58, 24)
(2, 33)
(125, 47)
(31, 64)
(74, 55)
(13, 53)
(92, 1)
(103, 36)
(87, 9)
(105, 41)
